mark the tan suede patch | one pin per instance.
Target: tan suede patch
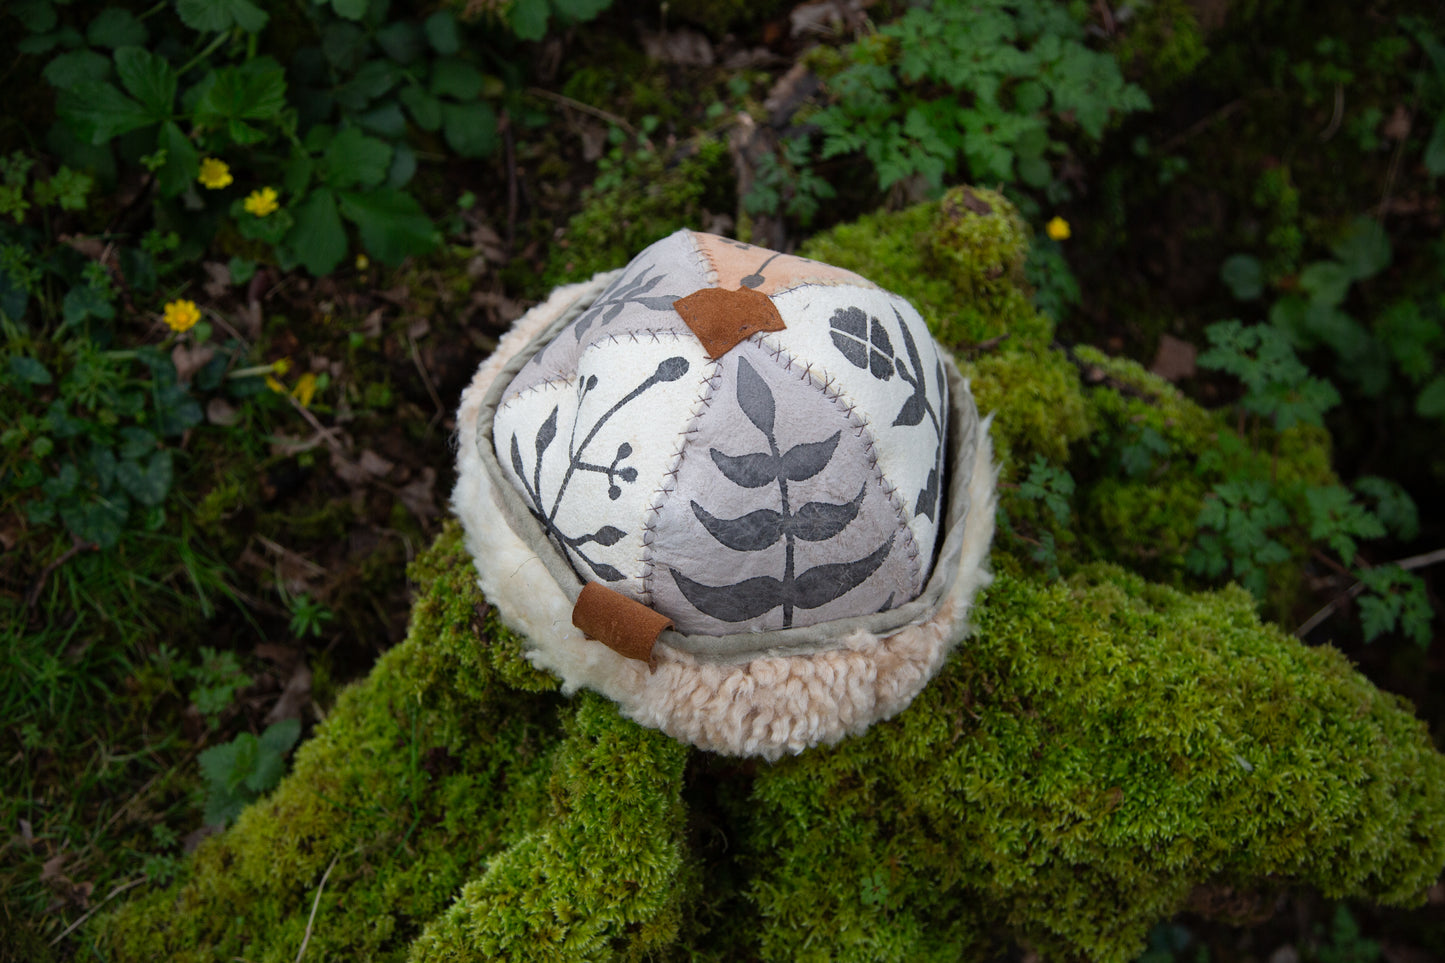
(721, 319)
(740, 265)
(622, 624)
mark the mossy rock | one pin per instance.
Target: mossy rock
(1101, 748)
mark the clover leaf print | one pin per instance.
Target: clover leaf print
(863, 340)
(762, 528)
(667, 370)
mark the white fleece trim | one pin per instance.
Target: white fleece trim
(764, 707)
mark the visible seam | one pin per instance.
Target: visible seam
(829, 385)
(558, 382)
(707, 389)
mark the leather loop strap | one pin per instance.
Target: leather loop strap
(622, 624)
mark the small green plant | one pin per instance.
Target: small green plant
(216, 679)
(308, 615)
(988, 91)
(1051, 488)
(1344, 943)
(240, 771)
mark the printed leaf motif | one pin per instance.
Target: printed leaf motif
(517, 459)
(755, 398)
(820, 521)
(806, 460)
(732, 603)
(752, 532)
(916, 406)
(606, 535)
(624, 291)
(602, 570)
(928, 496)
(824, 583)
(747, 471)
(546, 433)
(863, 340)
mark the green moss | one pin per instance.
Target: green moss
(958, 260)
(1162, 44)
(648, 200)
(1098, 749)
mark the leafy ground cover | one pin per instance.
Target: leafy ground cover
(249, 253)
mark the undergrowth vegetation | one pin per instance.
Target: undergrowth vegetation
(250, 252)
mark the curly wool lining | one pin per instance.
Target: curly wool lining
(764, 706)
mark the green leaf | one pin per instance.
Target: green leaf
(442, 32)
(150, 483)
(425, 109)
(470, 129)
(256, 90)
(182, 161)
(580, 9)
(116, 27)
(1393, 505)
(1435, 150)
(281, 736)
(37, 16)
(386, 120)
(344, 45)
(75, 67)
(1327, 282)
(1364, 251)
(352, 159)
(27, 369)
(1431, 401)
(456, 78)
(403, 166)
(217, 15)
(136, 442)
(319, 238)
(98, 112)
(148, 78)
(1243, 275)
(529, 19)
(84, 301)
(100, 521)
(392, 224)
(402, 41)
(350, 9)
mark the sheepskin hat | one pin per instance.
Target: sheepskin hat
(741, 493)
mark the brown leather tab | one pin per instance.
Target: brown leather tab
(622, 624)
(721, 319)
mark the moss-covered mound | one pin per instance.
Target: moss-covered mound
(1102, 747)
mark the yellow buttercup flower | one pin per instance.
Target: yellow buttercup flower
(275, 385)
(362, 262)
(305, 389)
(1058, 229)
(214, 174)
(281, 365)
(261, 202)
(182, 315)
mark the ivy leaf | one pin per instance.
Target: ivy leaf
(752, 532)
(392, 223)
(319, 237)
(147, 484)
(824, 583)
(148, 78)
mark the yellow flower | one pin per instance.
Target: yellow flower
(182, 315)
(275, 385)
(1058, 229)
(214, 174)
(305, 389)
(281, 365)
(362, 262)
(261, 202)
